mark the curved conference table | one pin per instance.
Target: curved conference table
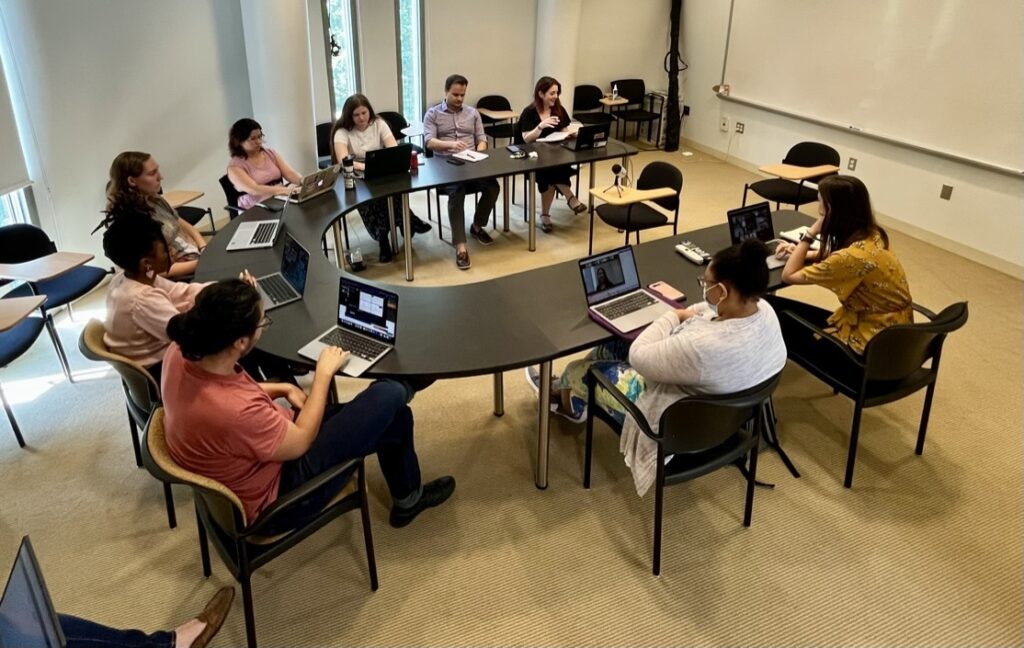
(475, 329)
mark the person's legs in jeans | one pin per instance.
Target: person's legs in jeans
(377, 421)
(82, 633)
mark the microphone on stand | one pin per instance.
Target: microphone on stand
(620, 177)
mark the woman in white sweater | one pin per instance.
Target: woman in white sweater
(729, 342)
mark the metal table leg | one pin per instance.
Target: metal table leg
(407, 228)
(339, 250)
(543, 425)
(531, 206)
(391, 222)
(504, 193)
(499, 394)
(591, 181)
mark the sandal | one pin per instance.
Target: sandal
(545, 224)
(579, 208)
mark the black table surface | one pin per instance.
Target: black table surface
(464, 330)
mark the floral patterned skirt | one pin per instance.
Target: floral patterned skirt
(612, 360)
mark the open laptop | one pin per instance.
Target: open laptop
(755, 221)
(385, 162)
(613, 290)
(257, 234)
(27, 617)
(285, 286)
(367, 319)
(589, 137)
(313, 185)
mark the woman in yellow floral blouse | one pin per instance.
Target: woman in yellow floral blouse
(854, 262)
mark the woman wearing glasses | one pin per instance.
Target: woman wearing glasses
(729, 342)
(256, 171)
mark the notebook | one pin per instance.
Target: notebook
(257, 234)
(589, 137)
(285, 286)
(755, 222)
(27, 617)
(366, 328)
(313, 185)
(614, 295)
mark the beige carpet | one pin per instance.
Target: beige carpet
(924, 551)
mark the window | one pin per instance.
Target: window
(14, 208)
(342, 48)
(409, 33)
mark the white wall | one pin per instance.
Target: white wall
(983, 216)
(105, 76)
(378, 54)
(623, 40)
(489, 42)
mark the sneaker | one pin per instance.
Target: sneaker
(578, 415)
(481, 235)
(462, 261)
(533, 377)
(434, 493)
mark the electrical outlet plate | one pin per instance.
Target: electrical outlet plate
(724, 125)
(739, 127)
(852, 164)
(946, 192)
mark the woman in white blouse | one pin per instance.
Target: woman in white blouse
(356, 132)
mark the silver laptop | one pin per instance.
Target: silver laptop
(286, 286)
(367, 319)
(27, 616)
(257, 234)
(613, 290)
(755, 222)
(313, 185)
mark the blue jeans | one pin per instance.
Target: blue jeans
(81, 633)
(377, 421)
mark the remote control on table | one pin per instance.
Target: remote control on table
(693, 253)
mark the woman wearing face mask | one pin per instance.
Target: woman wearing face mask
(134, 187)
(541, 118)
(854, 262)
(358, 131)
(729, 342)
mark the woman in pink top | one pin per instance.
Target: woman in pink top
(257, 172)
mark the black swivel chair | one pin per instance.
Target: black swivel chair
(640, 216)
(14, 342)
(701, 433)
(893, 365)
(323, 144)
(496, 129)
(635, 92)
(781, 191)
(21, 242)
(246, 545)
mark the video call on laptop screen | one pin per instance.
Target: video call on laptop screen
(751, 222)
(295, 264)
(368, 310)
(609, 275)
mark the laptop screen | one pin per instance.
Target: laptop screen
(608, 275)
(367, 310)
(750, 222)
(27, 617)
(295, 264)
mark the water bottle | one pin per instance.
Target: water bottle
(348, 170)
(414, 162)
(615, 91)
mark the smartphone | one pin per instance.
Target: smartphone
(667, 291)
(455, 162)
(512, 148)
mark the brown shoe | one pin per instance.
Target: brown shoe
(462, 261)
(213, 615)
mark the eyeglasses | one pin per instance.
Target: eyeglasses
(704, 285)
(262, 137)
(265, 322)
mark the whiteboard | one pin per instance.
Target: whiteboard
(946, 75)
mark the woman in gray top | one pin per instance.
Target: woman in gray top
(135, 185)
(729, 342)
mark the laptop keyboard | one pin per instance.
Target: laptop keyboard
(363, 347)
(264, 233)
(631, 304)
(277, 289)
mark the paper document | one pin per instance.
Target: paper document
(557, 136)
(470, 156)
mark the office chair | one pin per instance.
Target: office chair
(638, 216)
(634, 91)
(496, 129)
(587, 107)
(14, 342)
(323, 144)
(779, 190)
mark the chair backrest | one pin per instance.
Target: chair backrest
(586, 97)
(662, 174)
(898, 351)
(223, 505)
(809, 154)
(21, 242)
(698, 423)
(231, 195)
(323, 139)
(492, 102)
(141, 390)
(396, 122)
(633, 90)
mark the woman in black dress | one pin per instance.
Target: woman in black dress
(541, 118)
